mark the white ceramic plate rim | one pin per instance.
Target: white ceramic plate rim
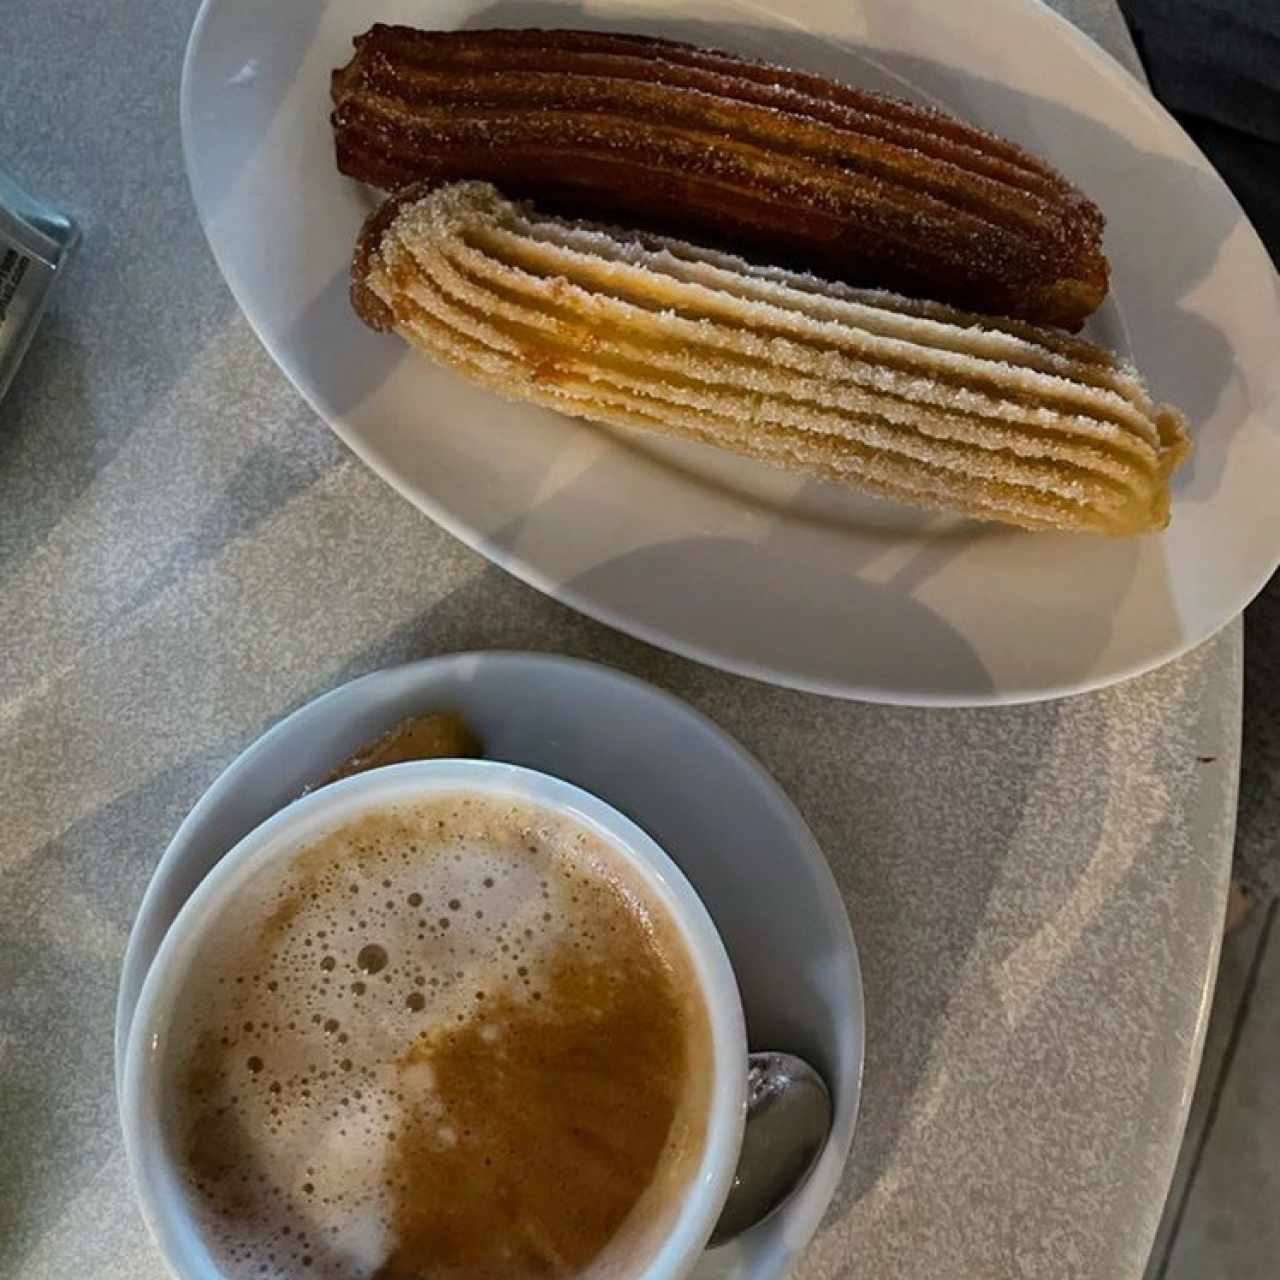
(1263, 552)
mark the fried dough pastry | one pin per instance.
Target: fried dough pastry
(911, 400)
(436, 735)
(705, 145)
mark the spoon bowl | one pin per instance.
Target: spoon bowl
(788, 1120)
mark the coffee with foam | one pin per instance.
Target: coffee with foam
(454, 1039)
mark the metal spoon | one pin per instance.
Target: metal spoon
(788, 1119)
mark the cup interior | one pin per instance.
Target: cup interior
(159, 1183)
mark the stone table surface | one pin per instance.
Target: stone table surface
(187, 553)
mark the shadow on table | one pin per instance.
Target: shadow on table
(77, 400)
(66, 913)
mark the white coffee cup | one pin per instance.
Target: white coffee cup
(157, 1181)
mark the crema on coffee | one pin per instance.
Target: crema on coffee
(454, 1039)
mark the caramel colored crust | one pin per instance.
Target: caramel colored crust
(698, 143)
(917, 401)
(438, 735)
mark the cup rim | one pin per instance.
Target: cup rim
(157, 1185)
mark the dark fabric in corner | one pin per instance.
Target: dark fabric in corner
(1216, 65)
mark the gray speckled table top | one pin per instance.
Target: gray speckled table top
(186, 554)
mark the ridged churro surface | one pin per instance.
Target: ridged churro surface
(914, 401)
(705, 145)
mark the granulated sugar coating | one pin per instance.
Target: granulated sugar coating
(454, 1039)
(912, 400)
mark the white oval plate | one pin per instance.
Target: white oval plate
(722, 559)
(709, 804)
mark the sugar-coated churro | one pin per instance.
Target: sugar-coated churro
(912, 400)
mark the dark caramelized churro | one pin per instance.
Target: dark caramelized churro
(698, 143)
